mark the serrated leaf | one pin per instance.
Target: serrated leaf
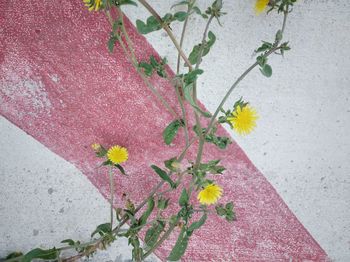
(153, 233)
(148, 69)
(151, 25)
(180, 246)
(197, 224)
(163, 175)
(147, 213)
(192, 76)
(180, 16)
(170, 131)
(266, 70)
(40, 254)
(14, 255)
(264, 47)
(111, 43)
(172, 164)
(183, 200)
(194, 55)
(163, 203)
(102, 229)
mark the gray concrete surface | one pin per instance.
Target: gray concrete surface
(302, 142)
(45, 199)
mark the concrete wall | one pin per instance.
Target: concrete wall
(301, 143)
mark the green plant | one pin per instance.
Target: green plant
(242, 118)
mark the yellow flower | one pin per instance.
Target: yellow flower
(210, 194)
(260, 6)
(243, 120)
(93, 4)
(117, 154)
(96, 147)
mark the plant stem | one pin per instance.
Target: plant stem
(183, 111)
(198, 123)
(134, 62)
(111, 187)
(182, 38)
(245, 73)
(168, 30)
(164, 237)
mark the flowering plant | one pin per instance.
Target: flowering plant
(156, 224)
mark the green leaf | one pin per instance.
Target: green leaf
(107, 163)
(192, 76)
(111, 43)
(40, 254)
(163, 175)
(194, 55)
(183, 200)
(227, 211)
(220, 210)
(220, 141)
(121, 169)
(264, 47)
(102, 229)
(70, 242)
(146, 214)
(279, 36)
(266, 70)
(141, 27)
(187, 90)
(180, 246)
(148, 69)
(13, 255)
(151, 25)
(180, 3)
(197, 224)
(127, 2)
(180, 16)
(172, 164)
(163, 203)
(153, 233)
(262, 60)
(170, 131)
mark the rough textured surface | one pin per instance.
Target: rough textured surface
(63, 134)
(301, 143)
(45, 199)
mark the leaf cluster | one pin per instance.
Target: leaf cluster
(226, 211)
(154, 66)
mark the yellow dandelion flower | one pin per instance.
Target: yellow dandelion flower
(96, 146)
(243, 120)
(260, 6)
(210, 194)
(117, 154)
(93, 4)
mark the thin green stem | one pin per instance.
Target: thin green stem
(164, 237)
(183, 112)
(168, 31)
(132, 58)
(198, 123)
(239, 79)
(111, 187)
(182, 38)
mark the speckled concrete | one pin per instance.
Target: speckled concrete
(273, 111)
(302, 143)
